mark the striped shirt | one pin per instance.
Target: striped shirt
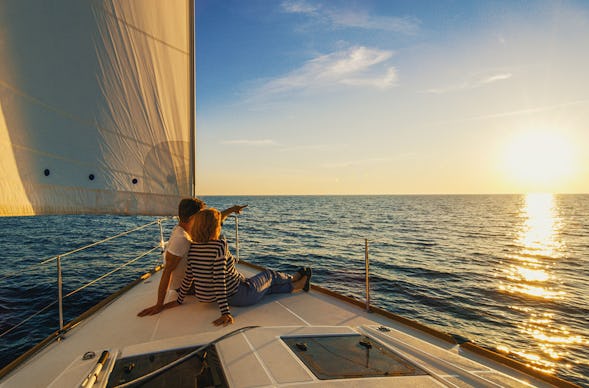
(211, 269)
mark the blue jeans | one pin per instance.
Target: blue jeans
(251, 290)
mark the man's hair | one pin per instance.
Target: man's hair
(188, 207)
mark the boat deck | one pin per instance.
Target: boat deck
(256, 357)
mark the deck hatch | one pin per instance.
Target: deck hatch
(349, 356)
(195, 371)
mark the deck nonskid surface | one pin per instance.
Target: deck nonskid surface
(254, 358)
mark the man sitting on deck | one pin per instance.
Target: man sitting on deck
(214, 277)
(177, 249)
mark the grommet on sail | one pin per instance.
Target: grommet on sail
(100, 89)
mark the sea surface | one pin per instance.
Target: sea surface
(510, 272)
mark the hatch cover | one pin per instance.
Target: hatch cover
(349, 356)
(203, 369)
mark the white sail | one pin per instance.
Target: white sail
(95, 106)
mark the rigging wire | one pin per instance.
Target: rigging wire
(34, 266)
(113, 271)
(81, 288)
(53, 258)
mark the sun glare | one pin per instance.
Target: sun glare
(539, 160)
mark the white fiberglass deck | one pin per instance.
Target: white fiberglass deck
(257, 357)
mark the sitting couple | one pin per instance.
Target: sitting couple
(210, 268)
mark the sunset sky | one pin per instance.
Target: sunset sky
(392, 97)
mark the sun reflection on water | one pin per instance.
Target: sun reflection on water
(539, 236)
(531, 270)
(530, 275)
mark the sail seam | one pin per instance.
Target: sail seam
(141, 176)
(93, 190)
(52, 156)
(126, 23)
(77, 162)
(67, 115)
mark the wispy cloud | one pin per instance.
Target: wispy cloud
(314, 147)
(473, 83)
(333, 17)
(529, 110)
(249, 142)
(495, 78)
(515, 113)
(355, 163)
(300, 6)
(383, 81)
(405, 25)
(357, 66)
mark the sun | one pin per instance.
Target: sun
(539, 160)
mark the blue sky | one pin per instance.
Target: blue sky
(391, 97)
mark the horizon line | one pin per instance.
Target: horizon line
(381, 194)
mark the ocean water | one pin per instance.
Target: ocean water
(510, 272)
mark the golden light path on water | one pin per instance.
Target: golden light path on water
(531, 275)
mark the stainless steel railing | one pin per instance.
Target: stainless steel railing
(367, 274)
(366, 263)
(58, 259)
(160, 245)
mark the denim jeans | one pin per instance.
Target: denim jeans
(251, 290)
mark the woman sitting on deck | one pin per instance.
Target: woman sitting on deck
(211, 269)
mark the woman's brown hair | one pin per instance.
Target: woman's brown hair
(207, 225)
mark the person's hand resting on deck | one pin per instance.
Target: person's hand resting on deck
(158, 308)
(224, 320)
(155, 309)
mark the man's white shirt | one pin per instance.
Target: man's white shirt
(178, 245)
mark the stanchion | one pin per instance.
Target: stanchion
(367, 272)
(60, 294)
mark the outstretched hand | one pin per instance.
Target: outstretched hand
(233, 209)
(238, 208)
(224, 320)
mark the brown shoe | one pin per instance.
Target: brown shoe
(308, 273)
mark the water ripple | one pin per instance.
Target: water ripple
(506, 271)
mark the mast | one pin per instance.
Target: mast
(192, 98)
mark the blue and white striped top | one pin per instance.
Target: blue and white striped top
(211, 268)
